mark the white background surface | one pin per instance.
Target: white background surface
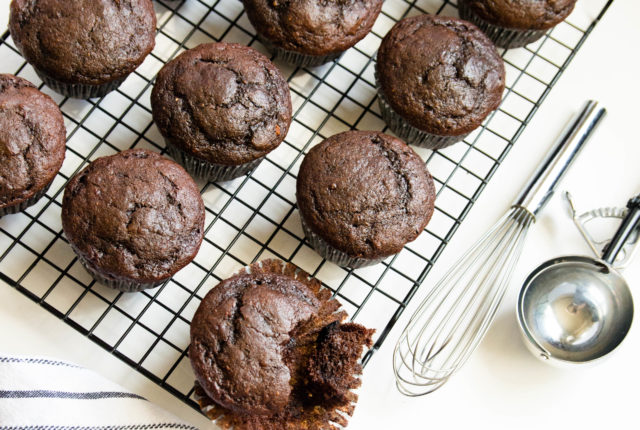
(502, 386)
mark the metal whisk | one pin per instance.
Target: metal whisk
(456, 314)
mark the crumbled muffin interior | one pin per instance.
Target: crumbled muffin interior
(334, 362)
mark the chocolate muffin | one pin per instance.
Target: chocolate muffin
(134, 219)
(515, 23)
(221, 107)
(362, 196)
(83, 48)
(32, 143)
(270, 351)
(438, 79)
(311, 32)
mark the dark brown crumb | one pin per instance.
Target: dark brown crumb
(331, 366)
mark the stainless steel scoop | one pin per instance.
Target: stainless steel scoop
(577, 309)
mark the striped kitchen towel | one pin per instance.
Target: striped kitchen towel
(47, 394)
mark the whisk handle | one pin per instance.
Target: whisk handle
(543, 184)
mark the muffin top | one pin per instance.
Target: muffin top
(222, 102)
(134, 216)
(90, 42)
(522, 14)
(441, 74)
(269, 349)
(313, 27)
(32, 140)
(365, 193)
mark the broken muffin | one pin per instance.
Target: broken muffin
(270, 351)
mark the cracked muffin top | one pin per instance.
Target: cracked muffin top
(441, 74)
(522, 14)
(222, 102)
(313, 27)
(270, 351)
(90, 42)
(32, 140)
(134, 216)
(365, 193)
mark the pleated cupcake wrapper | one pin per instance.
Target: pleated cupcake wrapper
(502, 37)
(340, 415)
(333, 254)
(124, 285)
(79, 91)
(297, 58)
(19, 207)
(210, 171)
(409, 133)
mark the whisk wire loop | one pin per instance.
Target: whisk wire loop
(457, 312)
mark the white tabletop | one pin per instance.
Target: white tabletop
(503, 385)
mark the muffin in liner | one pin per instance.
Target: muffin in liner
(501, 36)
(20, 206)
(210, 171)
(434, 94)
(409, 133)
(134, 219)
(84, 48)
(362, 196)
(32, 143)
(298, 58)
(79, 91)
(333, 254)
(221, 107)
(311, 409)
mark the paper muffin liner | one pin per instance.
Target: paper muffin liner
(19, 207)
(124, 285)
(501, 36)
(333, 254)
(409, 133)
(297, 58)
(210, 171)
(79, 91)
(311, 418)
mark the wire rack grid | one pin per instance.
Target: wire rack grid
(255, 217)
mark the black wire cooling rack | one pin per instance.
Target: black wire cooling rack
(255, 217)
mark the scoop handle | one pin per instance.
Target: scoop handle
(627, 226)
(545, 181)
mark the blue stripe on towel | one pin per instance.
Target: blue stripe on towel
(50, 394)
(37, 361)
(125, 427)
